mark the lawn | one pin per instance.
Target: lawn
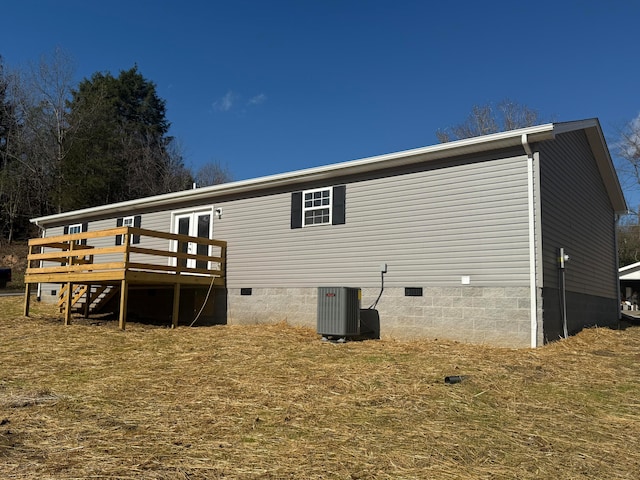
(273, 401)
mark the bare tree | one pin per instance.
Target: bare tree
(175, 176)
(17, 174)
(52, 81)
(628, 149)
(487, 119)
(628, 234)
(42, 93)
(151, 170)
(212, 173)
(34, 147)
(515, 116)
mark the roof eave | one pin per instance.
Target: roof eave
(508, 139)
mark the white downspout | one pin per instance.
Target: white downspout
(532, 243)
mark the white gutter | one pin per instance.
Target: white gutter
(501, 140)
(392, 160)
(533, 291)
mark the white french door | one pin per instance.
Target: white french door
(195, 224)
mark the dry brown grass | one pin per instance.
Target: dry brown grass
(89, 401)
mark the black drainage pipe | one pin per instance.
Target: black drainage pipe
(453, 379)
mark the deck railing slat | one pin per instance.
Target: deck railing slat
(77, 259)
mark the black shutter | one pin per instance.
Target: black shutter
(85, 228)
(137, 221)
(119, 237)
(296, 210)
(339, 200)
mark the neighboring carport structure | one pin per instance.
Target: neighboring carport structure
(629, 281)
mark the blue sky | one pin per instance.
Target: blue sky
(266, 87)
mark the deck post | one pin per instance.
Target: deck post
(67, 304)
(122, 321)
(69, 298)
(27, 298)
(124, 293)
(176, 305)
(27, 286)
(87, 302)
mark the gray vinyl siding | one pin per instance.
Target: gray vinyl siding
(159, 221)
(577, 215)
(430, 227)
(46, 289)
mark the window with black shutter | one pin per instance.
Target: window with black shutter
(318, 206)
(132, 221)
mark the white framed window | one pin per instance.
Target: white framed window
(77, 228)
(130, 221)
(316, 206)
(126, 222)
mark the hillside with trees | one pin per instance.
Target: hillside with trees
(66, 145)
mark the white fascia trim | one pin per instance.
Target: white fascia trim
(499, 140)
(632, 266)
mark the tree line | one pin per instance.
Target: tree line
(66, 146)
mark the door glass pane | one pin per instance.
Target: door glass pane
(183, 226)
(204, 222)
(203, 225)
(183, 229)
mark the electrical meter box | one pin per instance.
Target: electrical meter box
(338, 311)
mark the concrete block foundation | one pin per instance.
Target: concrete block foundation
(487, 315)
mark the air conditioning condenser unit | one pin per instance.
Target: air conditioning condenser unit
(338, 311)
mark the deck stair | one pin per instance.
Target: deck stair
(78, 292)
(99, 296)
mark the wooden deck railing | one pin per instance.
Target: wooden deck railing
(66, 258)
(108, 257)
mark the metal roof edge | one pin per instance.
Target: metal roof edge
(511, 138)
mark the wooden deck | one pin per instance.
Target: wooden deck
(94, 260)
